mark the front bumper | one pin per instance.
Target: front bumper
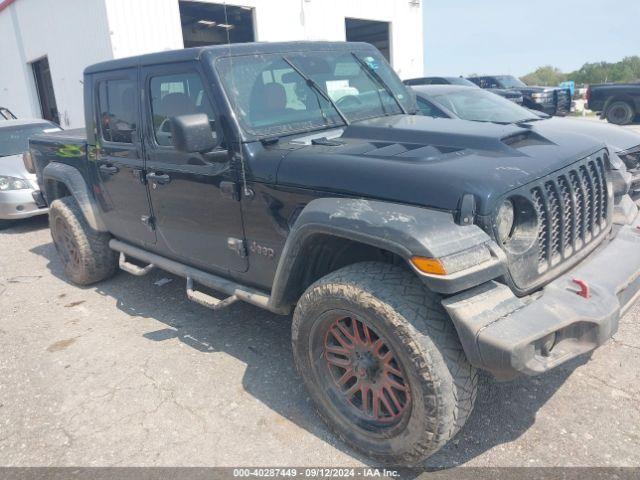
(18, 204)
(508, 336)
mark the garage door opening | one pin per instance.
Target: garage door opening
(44, 87)
(375, 33)
(209, 24)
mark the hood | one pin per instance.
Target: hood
(506, 92)
(431, 162)
(13, 166)
(617, 138)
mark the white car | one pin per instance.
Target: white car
(17, 186)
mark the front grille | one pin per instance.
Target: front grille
(572, 211)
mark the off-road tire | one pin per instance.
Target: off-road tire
(620, 113)
(443, 383)
(92, 259)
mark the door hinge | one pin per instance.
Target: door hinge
(238, 246)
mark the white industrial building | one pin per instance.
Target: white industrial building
(46, 44)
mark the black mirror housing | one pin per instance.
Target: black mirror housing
(192, 133)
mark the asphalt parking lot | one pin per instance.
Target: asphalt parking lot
(129, 373)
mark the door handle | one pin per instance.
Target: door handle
(109, 169)
(159, 178)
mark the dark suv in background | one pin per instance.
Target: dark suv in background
(550, 100)
(509, 94)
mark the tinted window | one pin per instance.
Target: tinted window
(429, 110)
(486, 82)
(173, 95)
(507, 81)
(118, 110)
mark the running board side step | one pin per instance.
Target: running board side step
(220, 284)
(207, 300)
(133, 269)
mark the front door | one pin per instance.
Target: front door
(119, 160)
(193, 196)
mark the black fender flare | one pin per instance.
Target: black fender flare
(404, 230)
(77, 186)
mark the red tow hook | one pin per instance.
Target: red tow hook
(584, 288)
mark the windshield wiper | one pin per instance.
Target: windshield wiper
(378, 79)
(314, 85)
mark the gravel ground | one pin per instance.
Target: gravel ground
(129, 373)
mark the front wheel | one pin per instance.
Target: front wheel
(382, 360)
(620, 113)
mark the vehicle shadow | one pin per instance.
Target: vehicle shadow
(261, 340)
(27, 225)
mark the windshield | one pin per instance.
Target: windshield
(507, 81)
(482, 106)
(272, 97)
(15, 140)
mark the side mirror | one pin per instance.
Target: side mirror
(192, 133)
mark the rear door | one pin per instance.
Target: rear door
(194, 196)
(119, 156)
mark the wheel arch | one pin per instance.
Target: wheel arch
(332, 233)
(61, 180)
(621, 97)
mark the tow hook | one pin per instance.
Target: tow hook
(584, 291)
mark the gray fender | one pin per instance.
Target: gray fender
(76, 184)
(402, 229)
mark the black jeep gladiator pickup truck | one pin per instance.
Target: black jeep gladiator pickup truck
(619, 103)
(412, 251)
(550, 100)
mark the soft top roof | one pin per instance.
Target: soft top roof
(236, 49)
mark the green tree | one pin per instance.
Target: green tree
(544, 76)
(626, 70)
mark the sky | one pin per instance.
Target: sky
(517, 36)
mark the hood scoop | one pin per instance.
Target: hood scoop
(526, 139)
(400, 150)
(398, 135)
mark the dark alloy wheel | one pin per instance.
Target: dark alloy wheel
(382, 362)
(363, 371)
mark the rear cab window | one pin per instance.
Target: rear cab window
(117, 109)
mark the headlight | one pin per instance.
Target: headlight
(12, 183)
(504, 221)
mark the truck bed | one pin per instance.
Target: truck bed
(66, 146)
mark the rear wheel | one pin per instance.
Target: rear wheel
(620, 113)
(383, 362)
(84, 252)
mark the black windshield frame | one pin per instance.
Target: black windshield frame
(237, 96)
